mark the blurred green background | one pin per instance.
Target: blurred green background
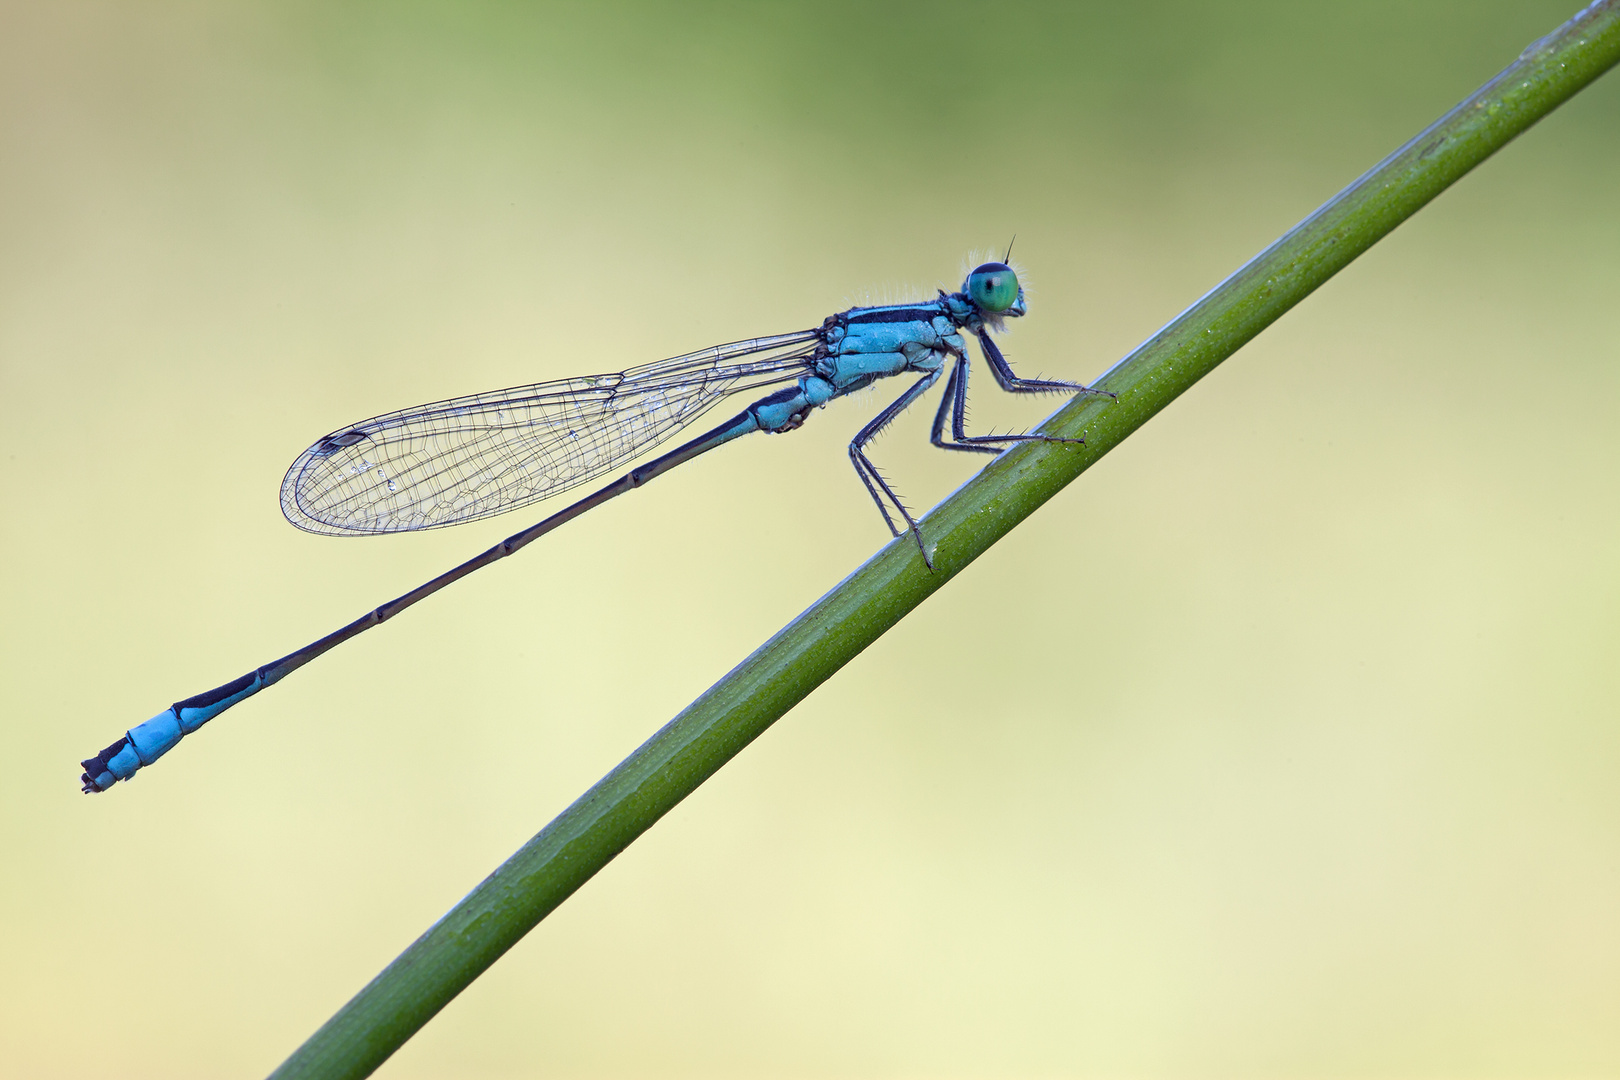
(1282, 744)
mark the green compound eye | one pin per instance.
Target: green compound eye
(993, 286)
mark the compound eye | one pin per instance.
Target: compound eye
(993, 286)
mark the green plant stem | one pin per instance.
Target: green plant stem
(737, 709)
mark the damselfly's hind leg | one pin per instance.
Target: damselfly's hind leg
(878, 487)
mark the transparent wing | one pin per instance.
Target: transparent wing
(472, 457)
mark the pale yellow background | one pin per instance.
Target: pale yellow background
(1284, 744)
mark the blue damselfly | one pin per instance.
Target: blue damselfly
(472, 457)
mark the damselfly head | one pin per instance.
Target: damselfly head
(994, 289)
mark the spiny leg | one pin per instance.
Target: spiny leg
(955, 388)
(874, 485)
(868, 472)
(955, 400)
(1011, 383)
(861, 465)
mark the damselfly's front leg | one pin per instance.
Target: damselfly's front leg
(1014, 385)
(955, 401)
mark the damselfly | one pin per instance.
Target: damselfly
(472, 457)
